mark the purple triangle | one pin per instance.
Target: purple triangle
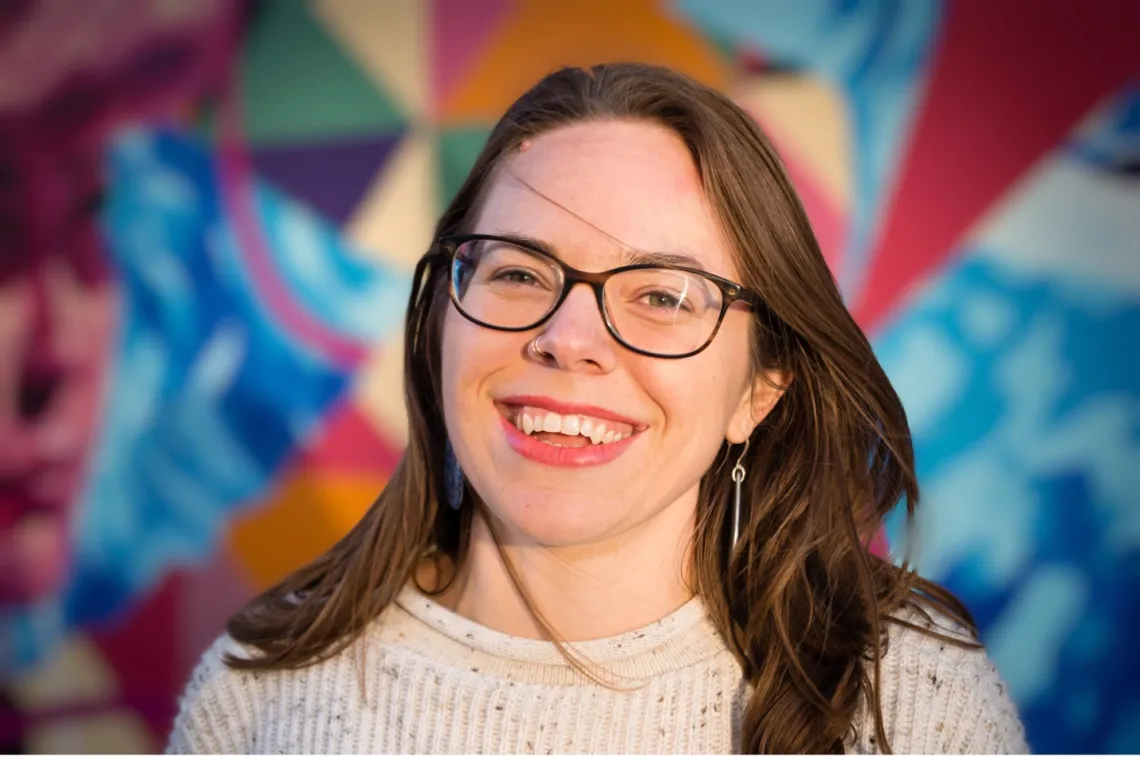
(330, 177)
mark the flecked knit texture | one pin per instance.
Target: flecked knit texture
(424, 679)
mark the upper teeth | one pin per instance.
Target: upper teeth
(531, 420)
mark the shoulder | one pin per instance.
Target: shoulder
(941, 692)
(307, 709)
(216, 711)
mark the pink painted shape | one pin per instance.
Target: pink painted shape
(209, 595)
(827, 221)
(880, 547)
(460, 31)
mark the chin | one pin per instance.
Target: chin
(558, 520)
(34, 562)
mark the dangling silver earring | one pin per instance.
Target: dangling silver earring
(453, 478)
(738, 479)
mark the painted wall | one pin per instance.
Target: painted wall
(972, 170)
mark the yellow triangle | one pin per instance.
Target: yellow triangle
(388, 39)
(395, 219)
(74, 674)
(120, 730)
(807, 118)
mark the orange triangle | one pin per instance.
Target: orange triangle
(542, 36)
(299, 521)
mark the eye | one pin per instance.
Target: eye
(666, 300)
(515, 276)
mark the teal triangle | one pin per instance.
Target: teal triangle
(458, 149)
(298, 83)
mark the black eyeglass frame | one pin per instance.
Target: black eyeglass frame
(447, 247)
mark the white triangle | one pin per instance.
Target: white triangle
(388, 39)
(1069, 220)
(378, 390)
(395, 218)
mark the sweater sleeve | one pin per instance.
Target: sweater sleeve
(944, 698)
(988, 723)
(216, 710)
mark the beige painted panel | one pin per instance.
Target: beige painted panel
(389, 40)
(118, 731)
(379, 390)
(75, 673)
(395, 218)
(807, 117)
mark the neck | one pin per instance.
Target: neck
(582, 592)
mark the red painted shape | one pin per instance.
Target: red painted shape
(1008, 82)
(350, 443)
(142, 647)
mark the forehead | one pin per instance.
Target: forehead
(592, 189)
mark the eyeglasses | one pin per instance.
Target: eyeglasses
(659, 311)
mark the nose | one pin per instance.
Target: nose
(42, 358)
(575, 338)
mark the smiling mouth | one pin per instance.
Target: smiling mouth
(559, 430)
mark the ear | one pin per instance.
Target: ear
(757, 400)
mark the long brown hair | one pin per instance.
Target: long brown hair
(799, 600)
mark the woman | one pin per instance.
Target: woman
(633, 514)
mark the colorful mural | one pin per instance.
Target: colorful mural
(972, 170)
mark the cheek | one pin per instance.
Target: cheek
(699, 395)
(470, 355)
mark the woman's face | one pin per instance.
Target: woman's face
(56, 331)
(579, 190)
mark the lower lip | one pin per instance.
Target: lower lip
(563, 457)
(29, 494)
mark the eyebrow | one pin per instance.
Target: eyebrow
(629, 256)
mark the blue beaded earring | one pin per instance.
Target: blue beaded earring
(453, 478)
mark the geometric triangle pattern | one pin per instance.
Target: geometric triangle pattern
(398, 211)
(298, 84)
(390, 42)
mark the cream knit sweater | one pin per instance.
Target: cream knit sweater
(424, 679)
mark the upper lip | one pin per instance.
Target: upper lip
(571, 408)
